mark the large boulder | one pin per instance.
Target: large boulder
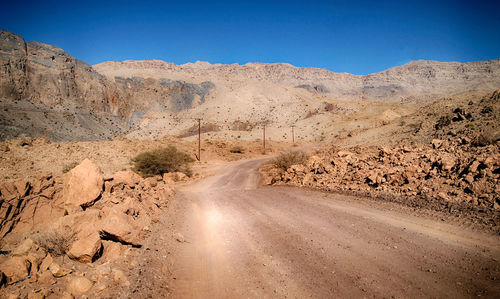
(120, 227)
(15, 268)
(87, 246)
(83, 185)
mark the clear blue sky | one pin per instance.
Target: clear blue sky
(358, 37)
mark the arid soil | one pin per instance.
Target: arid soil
(224, 237)
(26, 157)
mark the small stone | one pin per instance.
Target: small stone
(58, 271)
(46, 277)
(179, 238)
(46, 262)
(78, 286)
(165, 270)
(120, 277)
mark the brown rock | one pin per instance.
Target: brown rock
(128, 178)
(47, 278)
(87, 246)
(179, 238)
(165, 270)
(57, 270)
(46, 262)
(36, 295)
(23, 248)
(12, 296)
(36, 257)
(447, 162)
(15, 269)
(65, 295)
(78, 286)
(3, 279)
(83, 185)
(173, 177)
(151, 182)
(436, 143)
(120, 277)
(120, 227)
(112, 250)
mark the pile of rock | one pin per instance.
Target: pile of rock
(451, 170)
(82, 215)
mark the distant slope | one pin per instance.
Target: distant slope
(418, 80)
(45, 91)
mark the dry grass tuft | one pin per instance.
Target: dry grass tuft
(285, 160)
(54, 242)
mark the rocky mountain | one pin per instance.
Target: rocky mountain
(45, 91)
(420, 80)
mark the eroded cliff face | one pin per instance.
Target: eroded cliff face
(418, 80)
(46, 74)
(46, 92)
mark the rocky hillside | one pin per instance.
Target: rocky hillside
(46, 92)
(446, 157)
(418, 80)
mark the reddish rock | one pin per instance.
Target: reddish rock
(120, 227)
(128, 178)
(15, 269)
(83, 185)
(87, 246)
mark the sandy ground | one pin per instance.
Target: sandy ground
(225, 237)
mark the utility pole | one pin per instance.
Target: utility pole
(264, 138)
(199, 139)
(293, 135)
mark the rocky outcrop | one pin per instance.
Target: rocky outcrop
(448, 170)
(83, 216)
(45, 91)
(83, 185)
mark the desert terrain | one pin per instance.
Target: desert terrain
(387, 187)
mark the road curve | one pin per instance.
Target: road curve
(242, 241)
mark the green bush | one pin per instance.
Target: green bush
(285, 160)
(163, 160)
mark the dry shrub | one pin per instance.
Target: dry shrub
(163, 160)
(54, 242)
(237, 149)
(69, 166)
(285, 160)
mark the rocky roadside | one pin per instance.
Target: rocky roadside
(79, 234)
(452, 176)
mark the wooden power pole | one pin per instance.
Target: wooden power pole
(199, 139)
(264, 138)
(293, 135)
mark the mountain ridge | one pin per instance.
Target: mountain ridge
(46, 91)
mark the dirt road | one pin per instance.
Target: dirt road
(230, 239)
